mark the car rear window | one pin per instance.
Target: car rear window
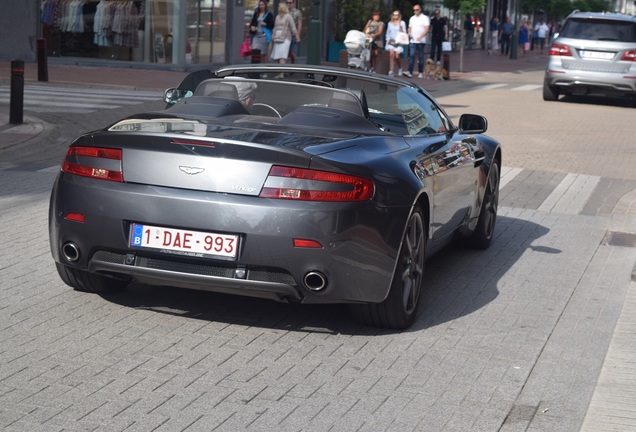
(601, 30)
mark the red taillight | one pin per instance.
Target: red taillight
(629, 56)
(94, 162)
(311, 185)
(559, 50)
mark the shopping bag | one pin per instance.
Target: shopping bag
(402, 38)
(246, 48)
(446, 46)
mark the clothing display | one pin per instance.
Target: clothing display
(80, 27)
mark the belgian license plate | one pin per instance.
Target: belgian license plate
(184, 242)
(597, 55)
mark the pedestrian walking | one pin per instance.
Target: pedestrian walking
(469, 32)
(297, 15)
(507, 30)
(494, 35)
(524, 37)
(439, 34)
(419, 25)
(261, 29)
(374, 30)
(393, 28)
(284, 29)
(543, 31)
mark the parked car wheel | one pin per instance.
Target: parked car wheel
(81, 280)
(399, 309)
(484, 232)
(550, 93)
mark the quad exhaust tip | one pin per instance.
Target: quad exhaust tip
(70, 252)
(315, 281)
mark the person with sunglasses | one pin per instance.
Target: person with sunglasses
(439, 30)
(297, 15)
(419, 25)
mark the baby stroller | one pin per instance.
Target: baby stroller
(358, 50)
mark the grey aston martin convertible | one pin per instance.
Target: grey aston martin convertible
(295, 183)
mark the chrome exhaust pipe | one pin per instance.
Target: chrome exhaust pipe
(70, 251)
(315, 281)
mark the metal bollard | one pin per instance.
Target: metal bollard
(446, 64)
(43, 67)
(16, 104)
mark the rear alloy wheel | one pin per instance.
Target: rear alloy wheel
(485, 230)
(399, 309)
(550, 93)
(81, 280)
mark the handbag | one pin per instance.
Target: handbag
(278, 36)
(267, 30)
(268, 34)
(446, 46)
(246, 48)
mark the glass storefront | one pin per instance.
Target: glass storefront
(178, 32)
(206, 31)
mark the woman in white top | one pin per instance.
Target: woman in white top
(395, 26)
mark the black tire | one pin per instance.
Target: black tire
(81, 280)
(399, 309)
(550, 93)
(485, 229)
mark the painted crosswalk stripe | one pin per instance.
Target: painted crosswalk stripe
(507, 174)
(528, 87)
(491, 86)
(571, 194)
(78, 100)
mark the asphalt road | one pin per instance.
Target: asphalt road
(510, 339)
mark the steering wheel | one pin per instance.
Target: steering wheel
(260, 104)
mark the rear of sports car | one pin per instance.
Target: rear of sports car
(234, 214)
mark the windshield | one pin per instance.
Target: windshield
(600, 30)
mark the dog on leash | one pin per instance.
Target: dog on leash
(436, 70)
(440, 73)
(429, 68)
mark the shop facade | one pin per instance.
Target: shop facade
(164, 33)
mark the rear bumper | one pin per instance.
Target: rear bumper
(360, 241)
(586, 82)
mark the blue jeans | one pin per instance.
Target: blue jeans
(416, 48)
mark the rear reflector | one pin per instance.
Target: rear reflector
(311, 185)
(75, 217)
(305, 243)
(94, 162)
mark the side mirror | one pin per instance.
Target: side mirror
(472, 124)
(174, 95)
